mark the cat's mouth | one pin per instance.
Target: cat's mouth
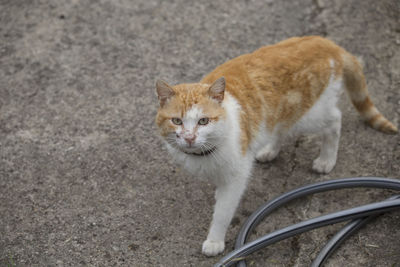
(202, 152)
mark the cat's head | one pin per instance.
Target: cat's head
(191, 117)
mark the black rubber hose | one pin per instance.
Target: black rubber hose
(358, 212)
(339, 238)
(267, 208)
(342, 235)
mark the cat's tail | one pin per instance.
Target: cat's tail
(356, 87)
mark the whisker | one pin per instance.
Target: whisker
(217, 153)
(213, 153)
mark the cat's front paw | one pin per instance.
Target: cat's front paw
(266, 154)
(212, 248)
(323, 165)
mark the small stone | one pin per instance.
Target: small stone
(133, 246)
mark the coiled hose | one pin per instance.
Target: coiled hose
(360, 216)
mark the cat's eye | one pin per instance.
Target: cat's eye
(176, 121)
(203, 121)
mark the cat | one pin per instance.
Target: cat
(244, 108)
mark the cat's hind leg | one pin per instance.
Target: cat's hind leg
(330, 143)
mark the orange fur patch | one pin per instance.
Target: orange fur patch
(279, 83)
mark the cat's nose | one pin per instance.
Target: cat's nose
(190, 138)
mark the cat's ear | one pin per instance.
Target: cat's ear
(217, 89)
(164, 92)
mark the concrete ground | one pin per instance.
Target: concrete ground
(84, 179)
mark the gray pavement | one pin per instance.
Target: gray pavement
(84, 179)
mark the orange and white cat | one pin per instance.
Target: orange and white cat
(243, 109)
